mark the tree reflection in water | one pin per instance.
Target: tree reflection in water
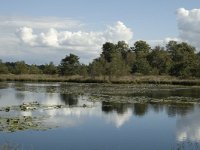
(140, 109)
(179, 109)
(69, 99)
(20, 96)
(120, 108)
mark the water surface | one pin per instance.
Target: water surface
(98, 116)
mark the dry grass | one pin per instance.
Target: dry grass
(103, 79)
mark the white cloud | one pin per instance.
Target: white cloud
(118, 32)
(12, 49)
(188, 22)
(189, 26)
(88, 42)
(27, 36)
(49, 39)
(188, 127)
(44, 39)
(119, 119)
(39, 22)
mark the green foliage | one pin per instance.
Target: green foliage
(33, 69)
(195, 71)
(112, 61)
(123, 48)
(183, 57)
(50, 69)
(176, 58)
(130, 58)
(3, 68)
(142, 66)
(83, 70)
(160, 60)
(108, 49)
(141, 48)
(97, 67)
(179, 59)
(21, 68)
(69, 65)
(117, 66)
(11, 67)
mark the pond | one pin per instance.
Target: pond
(98, 116)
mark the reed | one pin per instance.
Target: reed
(103, 79)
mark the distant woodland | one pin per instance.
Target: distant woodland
(176, 59)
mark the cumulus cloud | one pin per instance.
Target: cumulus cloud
(32, 38)
(88, 42)
(12, 48)
(49, 39)
(27, 36)
(189, 25)
(118, 32)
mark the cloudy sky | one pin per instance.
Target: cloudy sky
(40, 31)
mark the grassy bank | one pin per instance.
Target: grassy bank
(102, 79)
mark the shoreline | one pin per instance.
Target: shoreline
(113, 80)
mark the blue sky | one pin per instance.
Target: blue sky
(148, 20)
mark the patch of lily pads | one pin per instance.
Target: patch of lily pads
(32, 106)
(20, 123)
(144, 99)
(125, 94)
(9, 122)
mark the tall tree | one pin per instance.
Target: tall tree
(160, 60)
(50, 69)
(21, 67)
(141, 65)
(117, 67)
(195, 71)
(183, 56)
(108, 49)
(69, 65)
(33, 69)
(97, 67)
(123, 48)
(83, 70)
(141, 49)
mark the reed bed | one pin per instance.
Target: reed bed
(103, 79)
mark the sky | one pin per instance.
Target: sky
(40, 31)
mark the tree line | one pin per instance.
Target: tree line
(175, 58)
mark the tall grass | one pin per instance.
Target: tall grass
(103, 79)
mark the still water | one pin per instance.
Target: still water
(97, 117)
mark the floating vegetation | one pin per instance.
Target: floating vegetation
(144, 99)
(33, 106)
(29, 106)
(109, 97)
(13, 124)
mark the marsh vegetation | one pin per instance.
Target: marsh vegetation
(176, 63)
